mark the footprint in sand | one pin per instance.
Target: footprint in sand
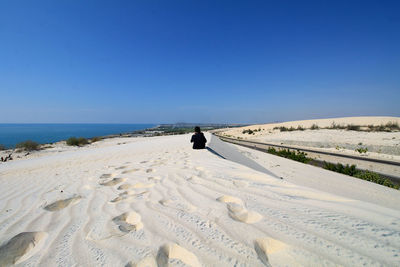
(21, 247)
(173, 251)
(120, 168)
(121, 198)
(154, 179)
(149, 170)
(145, 262)
(61, 204)
(178, 205)
(113, 182)
(166, 202)
(240, 183)
(229, 199)
(130, 171)
(272, 247)
(129, 221)
(130, 195)
(237, 210)
(105, 175)
(124, 186)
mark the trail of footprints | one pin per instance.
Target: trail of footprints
(24, 245)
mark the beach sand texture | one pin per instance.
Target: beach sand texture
(156, 202)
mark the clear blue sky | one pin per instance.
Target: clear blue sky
(197, 61)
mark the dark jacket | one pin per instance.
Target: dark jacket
(199, 141)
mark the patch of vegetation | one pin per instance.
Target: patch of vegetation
(95, 139)
(392, 126)
(2, 147)
(28, 145)
(388, 127)
(249, 131)
(300, 128)
(173, 131)
(314, 127)
(73, 141)
(294, 155)
(352, 170)
(336, 126)
(352, 127)
(362, 150)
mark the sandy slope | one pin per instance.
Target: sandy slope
(156, 201)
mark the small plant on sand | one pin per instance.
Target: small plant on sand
(28, 145)
(362, 150)
(2, 147)
(314, 127)
(300, 128)
(73, 141)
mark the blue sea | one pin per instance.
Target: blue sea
(11, 134)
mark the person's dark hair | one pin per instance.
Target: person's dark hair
(197, 129)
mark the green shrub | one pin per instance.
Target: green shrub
(314, 127)
(28, 145)
(249, 131)
(365, 175)
(362, 150)
(348, 169)
(2, 147)
(73, 141)
(286, 153)
(299, 128)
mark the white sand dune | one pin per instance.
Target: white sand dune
(385, 145)
(157, 202)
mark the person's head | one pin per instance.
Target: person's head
(197, 129)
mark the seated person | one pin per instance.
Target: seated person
(198, 139)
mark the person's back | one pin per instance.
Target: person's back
(198, 139)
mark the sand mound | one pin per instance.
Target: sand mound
(174, 251)
(21, 247)
(61, 204)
